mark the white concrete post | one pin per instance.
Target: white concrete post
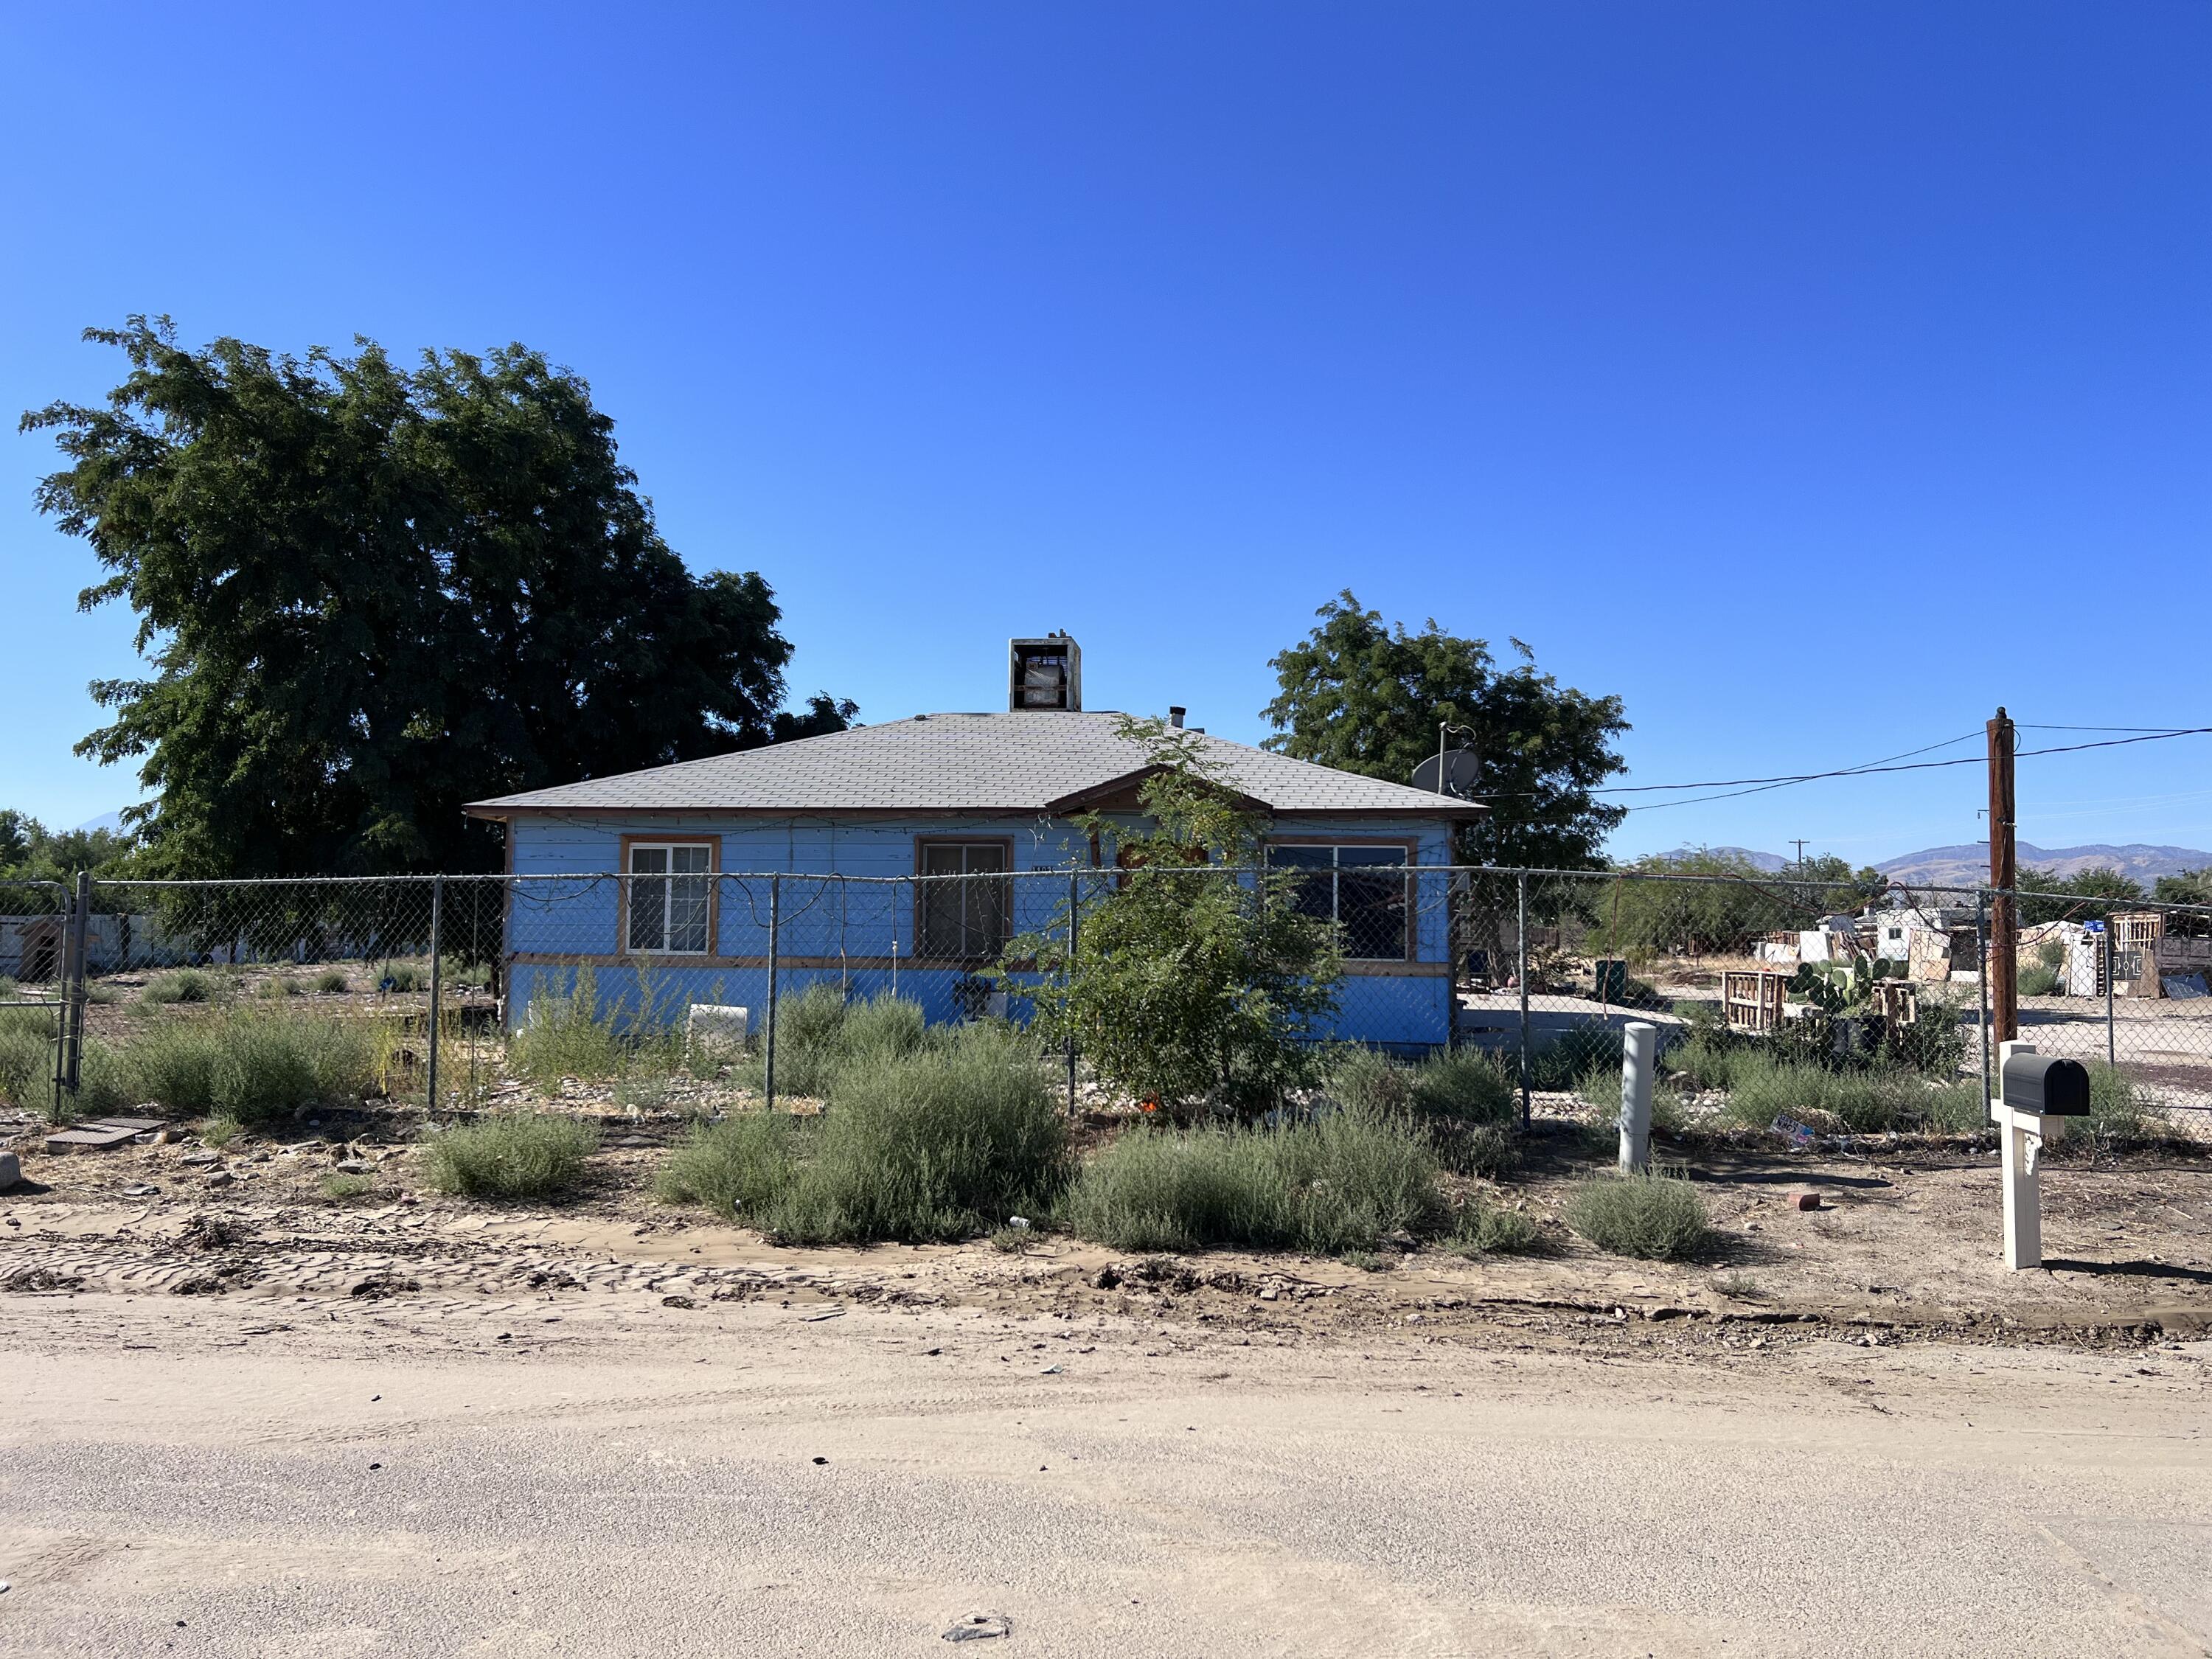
(1640, 1048)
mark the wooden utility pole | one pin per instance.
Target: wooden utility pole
(2004, 967)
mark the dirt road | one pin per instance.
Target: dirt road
(600, 1473)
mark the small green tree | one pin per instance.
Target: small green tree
(1188, 988)
(2084, 895)
(2190, 887)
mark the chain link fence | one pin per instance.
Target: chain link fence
(467, 991)
(2126, 983)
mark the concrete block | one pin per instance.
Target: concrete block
(711, 1027)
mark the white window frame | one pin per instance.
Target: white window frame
(633, 880)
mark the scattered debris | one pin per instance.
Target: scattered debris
(378, 1286)
(980, 1627)
(36, 1278)
(833, 1313)
(684, 1301)
(98, 1135)
(1802, 1199)
(212, 1229)
(820, 1460)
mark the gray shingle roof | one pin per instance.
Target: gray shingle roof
(1023, 762)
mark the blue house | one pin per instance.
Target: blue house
(903, 856)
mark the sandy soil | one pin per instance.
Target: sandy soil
(1903, 1245)
(243, 1419)
(609, 1471)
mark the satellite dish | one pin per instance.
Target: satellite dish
(1455, 772)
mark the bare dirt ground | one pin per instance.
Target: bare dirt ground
(244, 1419)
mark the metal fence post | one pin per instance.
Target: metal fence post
(1068, 978)
(774, 945)
(1982, 987)
(430, 1077)
(2111, 963)
(1521, 978)
(69, 1017)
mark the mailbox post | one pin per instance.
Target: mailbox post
(2037, 1093)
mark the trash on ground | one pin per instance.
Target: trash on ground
(980, 1627)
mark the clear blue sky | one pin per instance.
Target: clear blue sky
(1815, 377)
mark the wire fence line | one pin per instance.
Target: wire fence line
(1540, 968)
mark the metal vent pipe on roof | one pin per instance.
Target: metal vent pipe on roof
(1175, 712)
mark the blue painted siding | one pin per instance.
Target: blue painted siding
(833, 923)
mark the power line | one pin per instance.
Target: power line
(1804, 777)
(1759, 786)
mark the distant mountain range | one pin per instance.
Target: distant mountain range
(1968, 864)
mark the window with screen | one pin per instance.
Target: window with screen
(965, 920)
(670, 888)
(1362, 889)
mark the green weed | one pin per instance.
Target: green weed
(1481, 1230)
(1868, 1101)
(255, 1065)
(1463, 1084)
(186, 985)
(1342, 1182)
(511, 1155)
(1655, 1216)
(942, 1142)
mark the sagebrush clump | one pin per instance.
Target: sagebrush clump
(1345, 1182)
(936, 1142)
(254, 1064)
(1655, 1216)
(511, 1155)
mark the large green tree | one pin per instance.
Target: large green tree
(368, 593)
(1366, 697)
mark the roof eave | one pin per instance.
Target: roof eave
(500, 811)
